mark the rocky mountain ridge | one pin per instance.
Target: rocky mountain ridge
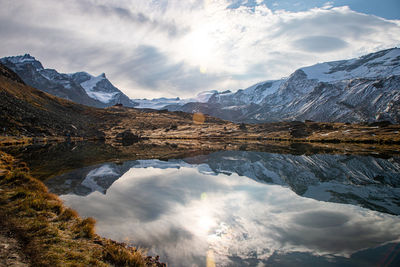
(364, 89)
(80, 87)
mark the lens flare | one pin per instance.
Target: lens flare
(210, 262)
(198, 118)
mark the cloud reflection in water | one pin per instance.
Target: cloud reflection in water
(186, 216)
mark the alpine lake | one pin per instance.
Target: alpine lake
(206, 204)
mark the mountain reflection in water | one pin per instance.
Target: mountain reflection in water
(239, 208)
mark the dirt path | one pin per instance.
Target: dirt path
(10, 250)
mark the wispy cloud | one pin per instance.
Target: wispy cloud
(177, 48)
(320, 44)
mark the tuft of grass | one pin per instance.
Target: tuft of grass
(124, 256)
(68, 214)
(85, 228)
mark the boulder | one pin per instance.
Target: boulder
(127, 138)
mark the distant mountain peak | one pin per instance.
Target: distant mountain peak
(26, 59)
(21, 58)
(298, 75)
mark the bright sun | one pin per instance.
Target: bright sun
(205, 223)
(199, 47)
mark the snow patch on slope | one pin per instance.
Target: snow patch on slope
(380, 66)
(90, 86)
(203, 97)
(258, 92)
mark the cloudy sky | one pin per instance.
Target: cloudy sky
(154, 48)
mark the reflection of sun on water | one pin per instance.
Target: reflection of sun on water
(209, 227)
(205, 220)
(205, 223)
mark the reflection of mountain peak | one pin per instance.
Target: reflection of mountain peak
(88, 179)
(366, 181)
(100, 179)
(362, 180)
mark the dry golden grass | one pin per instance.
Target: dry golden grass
(178, 125)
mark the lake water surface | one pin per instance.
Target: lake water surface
(243, 208)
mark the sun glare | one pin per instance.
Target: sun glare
(199, 46)
(204, 219)
(203, 69)
(205, 223)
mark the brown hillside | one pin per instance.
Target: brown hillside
(27, 111)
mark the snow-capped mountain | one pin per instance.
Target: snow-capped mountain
(355, 90)
(79, 87)
(101, 89)
(366, 181)
(364, 89)
(161, 103)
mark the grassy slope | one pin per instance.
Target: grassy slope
(27, 111)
